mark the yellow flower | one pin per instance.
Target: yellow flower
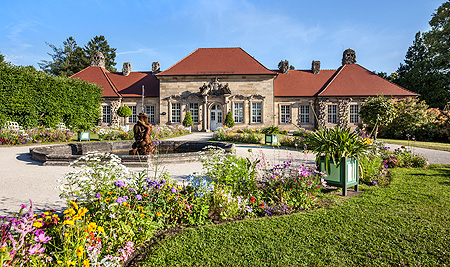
(68, 222)
(66, 234)
(75, 205)
(82, 211)
(140, 207)
(38, 224)
(80, 251)
(70, 212)
(109, 193)
(100, 229)
(47, 213)
(86, 263)
(91, 226)
(59, 261)
(142, 215)
(158, 214)
(69, 262)
(107, 200)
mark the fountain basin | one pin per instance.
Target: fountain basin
(168, 152)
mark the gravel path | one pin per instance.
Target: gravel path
(23, 179)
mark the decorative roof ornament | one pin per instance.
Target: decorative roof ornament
(98, 60)
(348, 57)
(215, 87)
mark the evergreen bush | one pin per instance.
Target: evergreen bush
(229, 122)
(188, 122)
(124, 111)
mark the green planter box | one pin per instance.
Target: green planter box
(271, 139)
(345, 175)
(84, 136)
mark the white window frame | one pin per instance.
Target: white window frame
(175, 112)
(332, 114)
(238, 112)
(150, 112)
(106, 114)
(255, 117)
(194, 108)
(285, 112)
(133, 117)
(305, 111)
(354, 114)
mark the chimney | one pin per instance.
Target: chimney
(155, 67)
(348, 57)
(315, 67)
(284, 66)
(126, 69)
(98, 60)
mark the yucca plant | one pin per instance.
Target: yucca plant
(335, 143)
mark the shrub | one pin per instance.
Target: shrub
(188, 122)
(124, 111)
(229, 121)
(270, 130)
(377, 111)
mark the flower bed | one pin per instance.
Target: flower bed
(112, 210)
(34, 135)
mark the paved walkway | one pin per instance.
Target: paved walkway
(22, 178)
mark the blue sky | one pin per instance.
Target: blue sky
(166, 31)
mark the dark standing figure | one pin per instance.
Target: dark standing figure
(142, 131)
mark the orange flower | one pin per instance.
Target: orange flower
(159, 214)
(145, 195)
(142, 215)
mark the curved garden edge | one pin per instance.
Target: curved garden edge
(140, 254)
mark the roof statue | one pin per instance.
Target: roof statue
(98, 60)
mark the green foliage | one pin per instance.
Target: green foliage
(229, 122)
(225, 134)
(71, 58)
(33, 98)
(124, 111)
(427, 61)
(414, 218)
(336, 143)
(271, 130)
(377, 111)
(187, 121)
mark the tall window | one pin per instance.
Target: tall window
(256, 113)
(304, 114)
(133, 117)
(285, 113)
(193, 108)
(176, 112)
(332, 113)
(354, 110)
(106, 114)
(238, 112)
(150, 112)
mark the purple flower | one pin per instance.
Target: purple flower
(121, 200)
(119, 183)
(98, 195)
(174, 190)
(163, 181)
(138, 197)
(36, 249)
(23, 206)
(132, 190)
(373, 182)
(42, 238)
(310, 101)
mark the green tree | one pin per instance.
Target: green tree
(66, 60)
(377, 111)
(71, 58)
(188, 122)
(229, 122)
(99, 43)
(124, 111)
(427, 61)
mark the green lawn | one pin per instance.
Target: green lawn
(405, 223)
(432, 145)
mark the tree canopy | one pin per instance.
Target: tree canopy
(71, 58)
(377, 111)
(427, 61)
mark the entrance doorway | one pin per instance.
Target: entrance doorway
(216, 117)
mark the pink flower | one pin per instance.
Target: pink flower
(42, 238)
(36, 249)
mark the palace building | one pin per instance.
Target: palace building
(210, 82)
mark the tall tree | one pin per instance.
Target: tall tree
(71, 58)
(427, 61)
(66, 60)
(99, 43)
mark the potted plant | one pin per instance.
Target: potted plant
(229, 122)
(337, 154)
(271, 135)
(83, 132)
(124, 112)
(188, 122)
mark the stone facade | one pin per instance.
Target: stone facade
(240, 89)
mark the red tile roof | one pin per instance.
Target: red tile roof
(354, 80)
(117, 85)
(348, 80)
(301, 82)
(217, 61)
